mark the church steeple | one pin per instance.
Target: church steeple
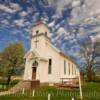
(40, 36)
(40, 28)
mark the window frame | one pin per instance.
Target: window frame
(64, 67)
(50, 66)
(69, 72)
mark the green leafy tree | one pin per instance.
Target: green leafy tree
(11, 60)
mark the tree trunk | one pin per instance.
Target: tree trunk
(9, 79)
(89, 73)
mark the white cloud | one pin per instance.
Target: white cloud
(81, 32)
(27, 23)
(61, 31)
(55, 16)
(86, 11)
(94, 38)
(19, 22)
(5, 21)
(15, 6)
(23, 13)
(93, 30)
(6, 9)
(97, 36)
(35, 15)
(44, 18)
(94, 5)
(51, 24)
(59, 5)
(12, 8)
(76, 3)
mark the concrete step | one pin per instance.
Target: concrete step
(19, 87)
(22, 84)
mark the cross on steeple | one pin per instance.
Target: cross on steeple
(36, 41)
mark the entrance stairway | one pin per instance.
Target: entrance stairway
(26, 85)
(18, 87)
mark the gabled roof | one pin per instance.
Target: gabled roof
(34, 54)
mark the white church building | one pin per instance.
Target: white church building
(45, 62)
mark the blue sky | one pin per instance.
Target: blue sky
(71, 22)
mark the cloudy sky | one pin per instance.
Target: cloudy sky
(71, 22)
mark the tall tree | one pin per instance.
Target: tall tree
(11, 60)
(90, 51)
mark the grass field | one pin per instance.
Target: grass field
(91, 91)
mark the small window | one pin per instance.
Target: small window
(72, 69)
(69, 68)
(45, 33)
(75, 69)
(64, 67)
(37, 31)
(49, 66)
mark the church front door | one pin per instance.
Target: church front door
(33, 73)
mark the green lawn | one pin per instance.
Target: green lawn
(91, 91)
(4, 86)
